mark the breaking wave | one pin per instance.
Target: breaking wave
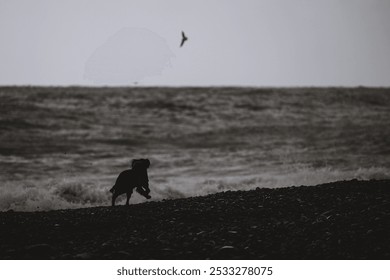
(52, 196)
(68, 194)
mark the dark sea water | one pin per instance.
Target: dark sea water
(64, 147)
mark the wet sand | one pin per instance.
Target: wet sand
(341, 220)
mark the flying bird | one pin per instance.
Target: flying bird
(183, 39)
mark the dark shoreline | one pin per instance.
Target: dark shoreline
(340, 220)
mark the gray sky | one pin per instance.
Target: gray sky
(241, 42)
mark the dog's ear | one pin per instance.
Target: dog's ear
(140, 163)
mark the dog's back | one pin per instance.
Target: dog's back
(124, 182)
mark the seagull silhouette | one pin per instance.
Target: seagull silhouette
(183, 39)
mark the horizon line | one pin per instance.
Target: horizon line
(189, 86)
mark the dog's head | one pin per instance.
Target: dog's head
(140, 163)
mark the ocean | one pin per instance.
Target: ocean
(63, 147)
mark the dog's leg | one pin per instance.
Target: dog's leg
(128, 197)
(144, 192)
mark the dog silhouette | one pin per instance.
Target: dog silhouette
(130, 179)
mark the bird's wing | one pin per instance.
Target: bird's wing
(183, 38)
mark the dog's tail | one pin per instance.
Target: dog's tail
(112, 189)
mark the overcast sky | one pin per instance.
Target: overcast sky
(240, 42)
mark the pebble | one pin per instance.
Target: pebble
(39, 251)
(83, 256)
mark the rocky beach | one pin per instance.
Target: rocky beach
(340, 220)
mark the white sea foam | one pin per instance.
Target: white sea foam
(40, 196)
(65, 194)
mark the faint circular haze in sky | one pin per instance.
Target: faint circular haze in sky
(127, 57)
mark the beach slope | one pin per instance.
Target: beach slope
(340, 220)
